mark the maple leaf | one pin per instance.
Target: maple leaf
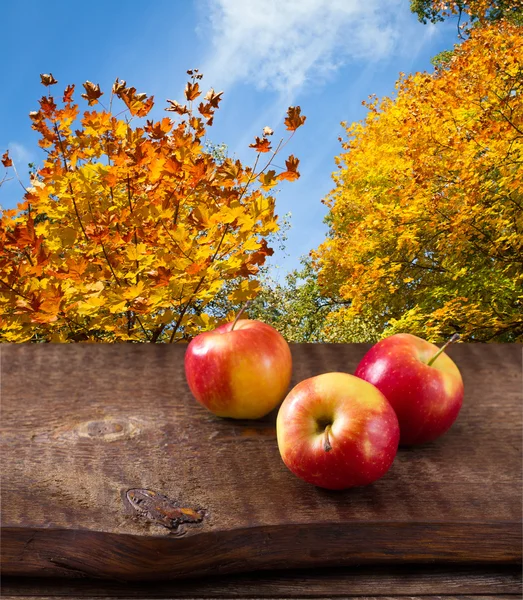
(212, 98)
(159, 130)
(172, 166)
(258, 257)
(47, 105)
(138, 104)
(291, 174)
(118, 86)
(177, 107)
(261, 145)
(68, 94)
(133, 291)
(111, 179)
(161, 276)
(192, 91)
(196, 267)
(36, 117)
(227, 173)
(197, 125)
(6, 160)
(294, 118)
(248, 268)
(206, 111)
(245, 291)
(267, 131)
(268, 179)
(47, 79)
(143, 108)
(92, 92)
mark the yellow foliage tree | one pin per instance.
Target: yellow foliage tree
(426, 217)
(476, 11)
(130, 229)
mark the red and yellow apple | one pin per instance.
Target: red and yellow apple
(240, 370)
(422, 383)
(337, 431)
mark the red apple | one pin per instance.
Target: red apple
(337, 431)
(421, 382)
(241, 369)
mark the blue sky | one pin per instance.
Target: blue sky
(324, 55)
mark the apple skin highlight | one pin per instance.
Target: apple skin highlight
(363, 433)
(242, 374)
(426, 399)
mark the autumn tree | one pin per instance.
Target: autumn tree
(132, 226)
(426, 216)
(473, 11)
(295, 306)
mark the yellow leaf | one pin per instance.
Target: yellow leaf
(136, 252)
(251, 244)
(133, 291)
(247, 290)
(90, 306)
(117, 307)
(42, 228)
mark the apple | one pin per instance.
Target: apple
(241, 370)
(337, 431)
(423, 385)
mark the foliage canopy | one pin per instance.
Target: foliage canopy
(481, 11)
(426, 216)
(132, 226)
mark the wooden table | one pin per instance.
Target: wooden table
(84, 424)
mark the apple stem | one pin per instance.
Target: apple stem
(326, 442)
(240, 313)
(454, 338)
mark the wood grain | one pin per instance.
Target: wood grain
(401, 581)
(379, 597)
(82, 424)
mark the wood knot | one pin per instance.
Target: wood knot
(161, 510)
(109, 429)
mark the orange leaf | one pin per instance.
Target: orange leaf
(213, 98)
(159, 130)
(6, 160)
(138, 108)
(172, 166)
(294, 118)
(261, 145)
(177, 107)
(291, 174)
(196, 267)
(111, 179)
(92, 92)
(258, 257)
(48, 79)
(68, 94)
(161, 276)
(119, 86)
(138, 104)
(48, 106)
(205, 110)
(192, 91)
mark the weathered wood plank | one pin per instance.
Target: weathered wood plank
(403, 580)
(148, 597)
(82, 424)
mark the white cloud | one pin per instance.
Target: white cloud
(285, 44)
